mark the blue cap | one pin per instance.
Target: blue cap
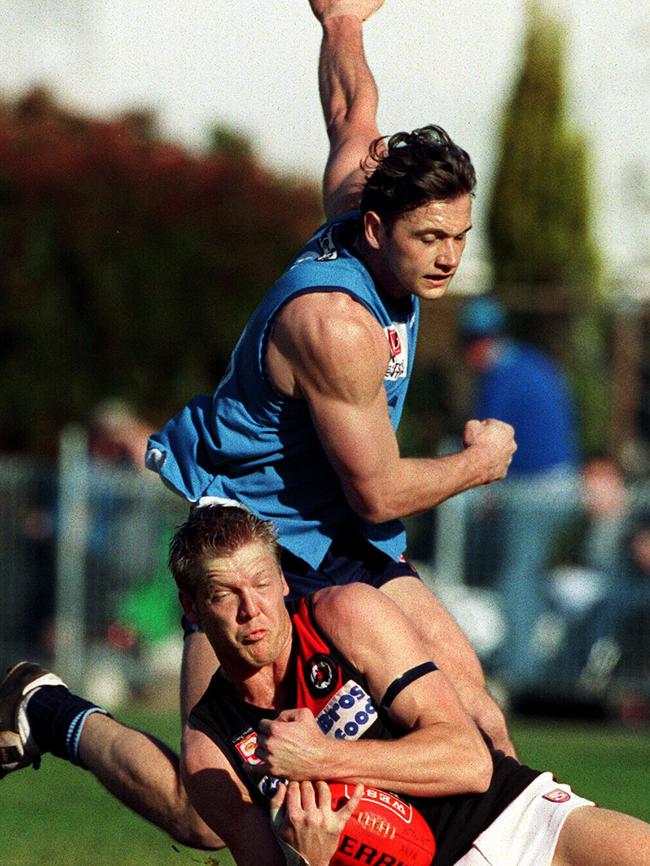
(482, 317)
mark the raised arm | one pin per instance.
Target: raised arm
(349, 99)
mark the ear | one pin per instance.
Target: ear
(189, 607)
(374, 231)
(285, 585)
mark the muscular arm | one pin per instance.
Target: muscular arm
(348, 97)
(306, 820)
(223, 802)
(441, 753)
(329, 350)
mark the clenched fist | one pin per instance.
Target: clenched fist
(492, 444)
(292, 745)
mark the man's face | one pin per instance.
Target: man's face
(240, 606)
(422, 251)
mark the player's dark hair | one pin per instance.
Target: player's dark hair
(408, 169)
(212, 531)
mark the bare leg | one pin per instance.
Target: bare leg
(598, 837)
(452, 651)
(198, 665)
(143, 773)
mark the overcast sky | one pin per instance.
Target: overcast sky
(253, 64)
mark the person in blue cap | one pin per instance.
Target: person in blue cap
(521, 385)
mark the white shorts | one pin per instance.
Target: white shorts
(526, 832)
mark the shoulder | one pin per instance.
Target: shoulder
(324, 334)
(200, 752)
(541, 366)
(318, 313)
(340, 601)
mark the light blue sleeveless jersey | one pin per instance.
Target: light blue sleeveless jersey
(249, 443)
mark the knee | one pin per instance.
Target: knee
(491, 720)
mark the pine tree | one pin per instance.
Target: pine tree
(544, 257)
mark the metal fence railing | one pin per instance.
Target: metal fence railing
(582, 619)
(85, 587)
(83, 550)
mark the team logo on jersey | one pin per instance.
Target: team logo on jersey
(320, 674)
(557, 795)
(327, 246)
(348, 714)
(394, 342)
(246, 743)
(397, 337)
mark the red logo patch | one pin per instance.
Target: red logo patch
(246, 743)
(557, 795)
(393, 342)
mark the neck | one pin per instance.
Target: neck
(263, 686)
(375, 266)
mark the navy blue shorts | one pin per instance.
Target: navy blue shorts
(350, 559)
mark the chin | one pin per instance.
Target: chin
(432, 292)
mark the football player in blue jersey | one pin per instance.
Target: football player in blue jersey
(336, 361)
(302, 428)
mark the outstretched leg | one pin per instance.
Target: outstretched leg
(143, 774)
(38, 714)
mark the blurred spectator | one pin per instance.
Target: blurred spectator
(617, 547)
(607, 506)
(117, 436)
(136, 587)
(518, 383)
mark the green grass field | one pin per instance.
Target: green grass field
(59, 816)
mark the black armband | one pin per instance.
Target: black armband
(404, 680)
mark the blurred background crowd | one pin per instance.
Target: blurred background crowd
(131, 263)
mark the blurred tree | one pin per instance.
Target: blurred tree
(129, 265)
(545, 262)
(227, 141)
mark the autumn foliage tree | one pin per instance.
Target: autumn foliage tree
(130, 265)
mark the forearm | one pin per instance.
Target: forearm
(409, 486)
(347, 88)
(437, 762)
(435, 757)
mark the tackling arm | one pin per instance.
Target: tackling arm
(441, 752)
(348, 97)
(221, 799)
